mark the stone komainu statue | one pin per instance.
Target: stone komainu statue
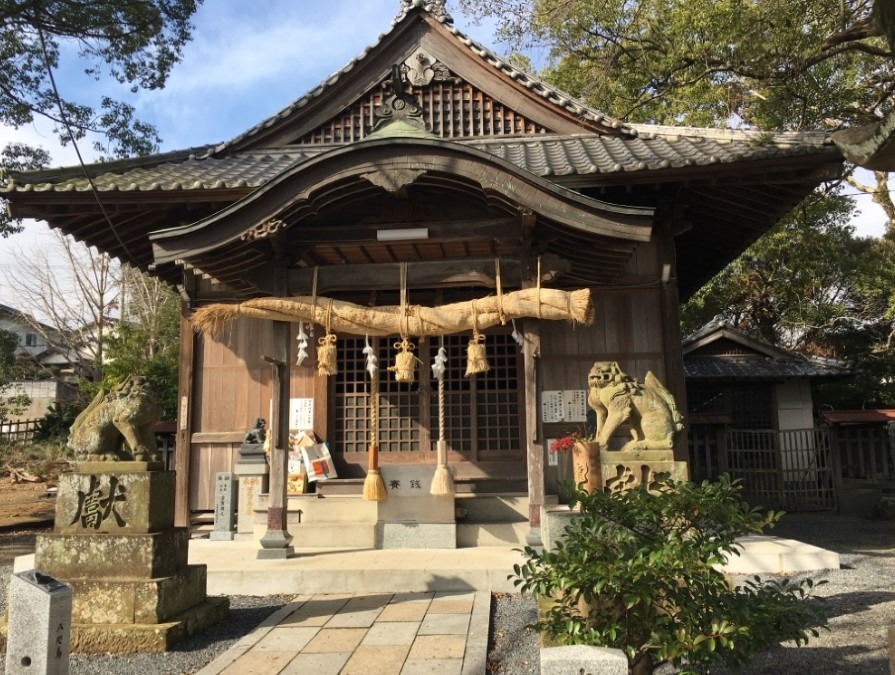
(117, 420)
(648, 408)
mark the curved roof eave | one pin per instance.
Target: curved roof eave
(423, 155)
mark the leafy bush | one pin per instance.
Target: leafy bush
(55, 423)
(637, 571)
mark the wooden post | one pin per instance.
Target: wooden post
(182, 454)
(276, 542)
(671, 345)
(535, 450)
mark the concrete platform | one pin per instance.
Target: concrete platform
(233, 568)
(762, 554)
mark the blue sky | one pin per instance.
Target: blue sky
(248, 60)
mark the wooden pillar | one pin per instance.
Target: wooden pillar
(276, 542)
(531, 350)
(671, 337)
(185, 393)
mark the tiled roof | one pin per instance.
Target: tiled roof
(718, 367)
(767, 363)
(544, 155)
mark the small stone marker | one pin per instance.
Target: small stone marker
(225, 497)
(583, 659)
(39, 625)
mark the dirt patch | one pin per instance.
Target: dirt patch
(25, 503)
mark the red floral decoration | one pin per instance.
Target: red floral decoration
(565, 443)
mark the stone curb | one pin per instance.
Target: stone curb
(477, 638)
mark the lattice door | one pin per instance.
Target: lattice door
(398, 413)
(482, 413)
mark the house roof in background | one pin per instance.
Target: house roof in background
(719, 351)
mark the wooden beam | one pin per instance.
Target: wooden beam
(447, 230)
(423, 274)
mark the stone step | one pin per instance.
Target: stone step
(331, 509)
(505, 508)
(470, 535)
(328, 535)
(363, 535)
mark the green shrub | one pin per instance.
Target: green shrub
(637, 571)
(55, 423)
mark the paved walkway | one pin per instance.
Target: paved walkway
(437, 633)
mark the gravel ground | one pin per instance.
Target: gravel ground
(860, 601)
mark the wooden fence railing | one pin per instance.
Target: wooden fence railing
(864, 453)
(18, 430)
(780, 469)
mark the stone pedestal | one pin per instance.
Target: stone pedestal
(411, 517)
(115, 544)
(252, 472)
(623, 470)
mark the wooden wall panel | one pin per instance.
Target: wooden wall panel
(206, 460)
(232, 389)
(233, 382)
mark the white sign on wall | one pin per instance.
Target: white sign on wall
(569, 405)
(301, 414)
(552, 408)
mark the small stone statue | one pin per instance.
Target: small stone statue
(648, 408)
(118, 425)
(257, 434)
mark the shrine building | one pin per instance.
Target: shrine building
(429, 194)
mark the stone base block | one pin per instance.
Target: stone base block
(114, 501)
(416, 535)
(626, 470)
(276, 553)
(554, 521)
(136, 638)
(583, 659)
(222, 535)
(112, 556)
(137, 601)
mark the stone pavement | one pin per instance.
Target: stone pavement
(439, 633)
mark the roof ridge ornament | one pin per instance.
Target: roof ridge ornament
(401, 109)
(435, 7)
